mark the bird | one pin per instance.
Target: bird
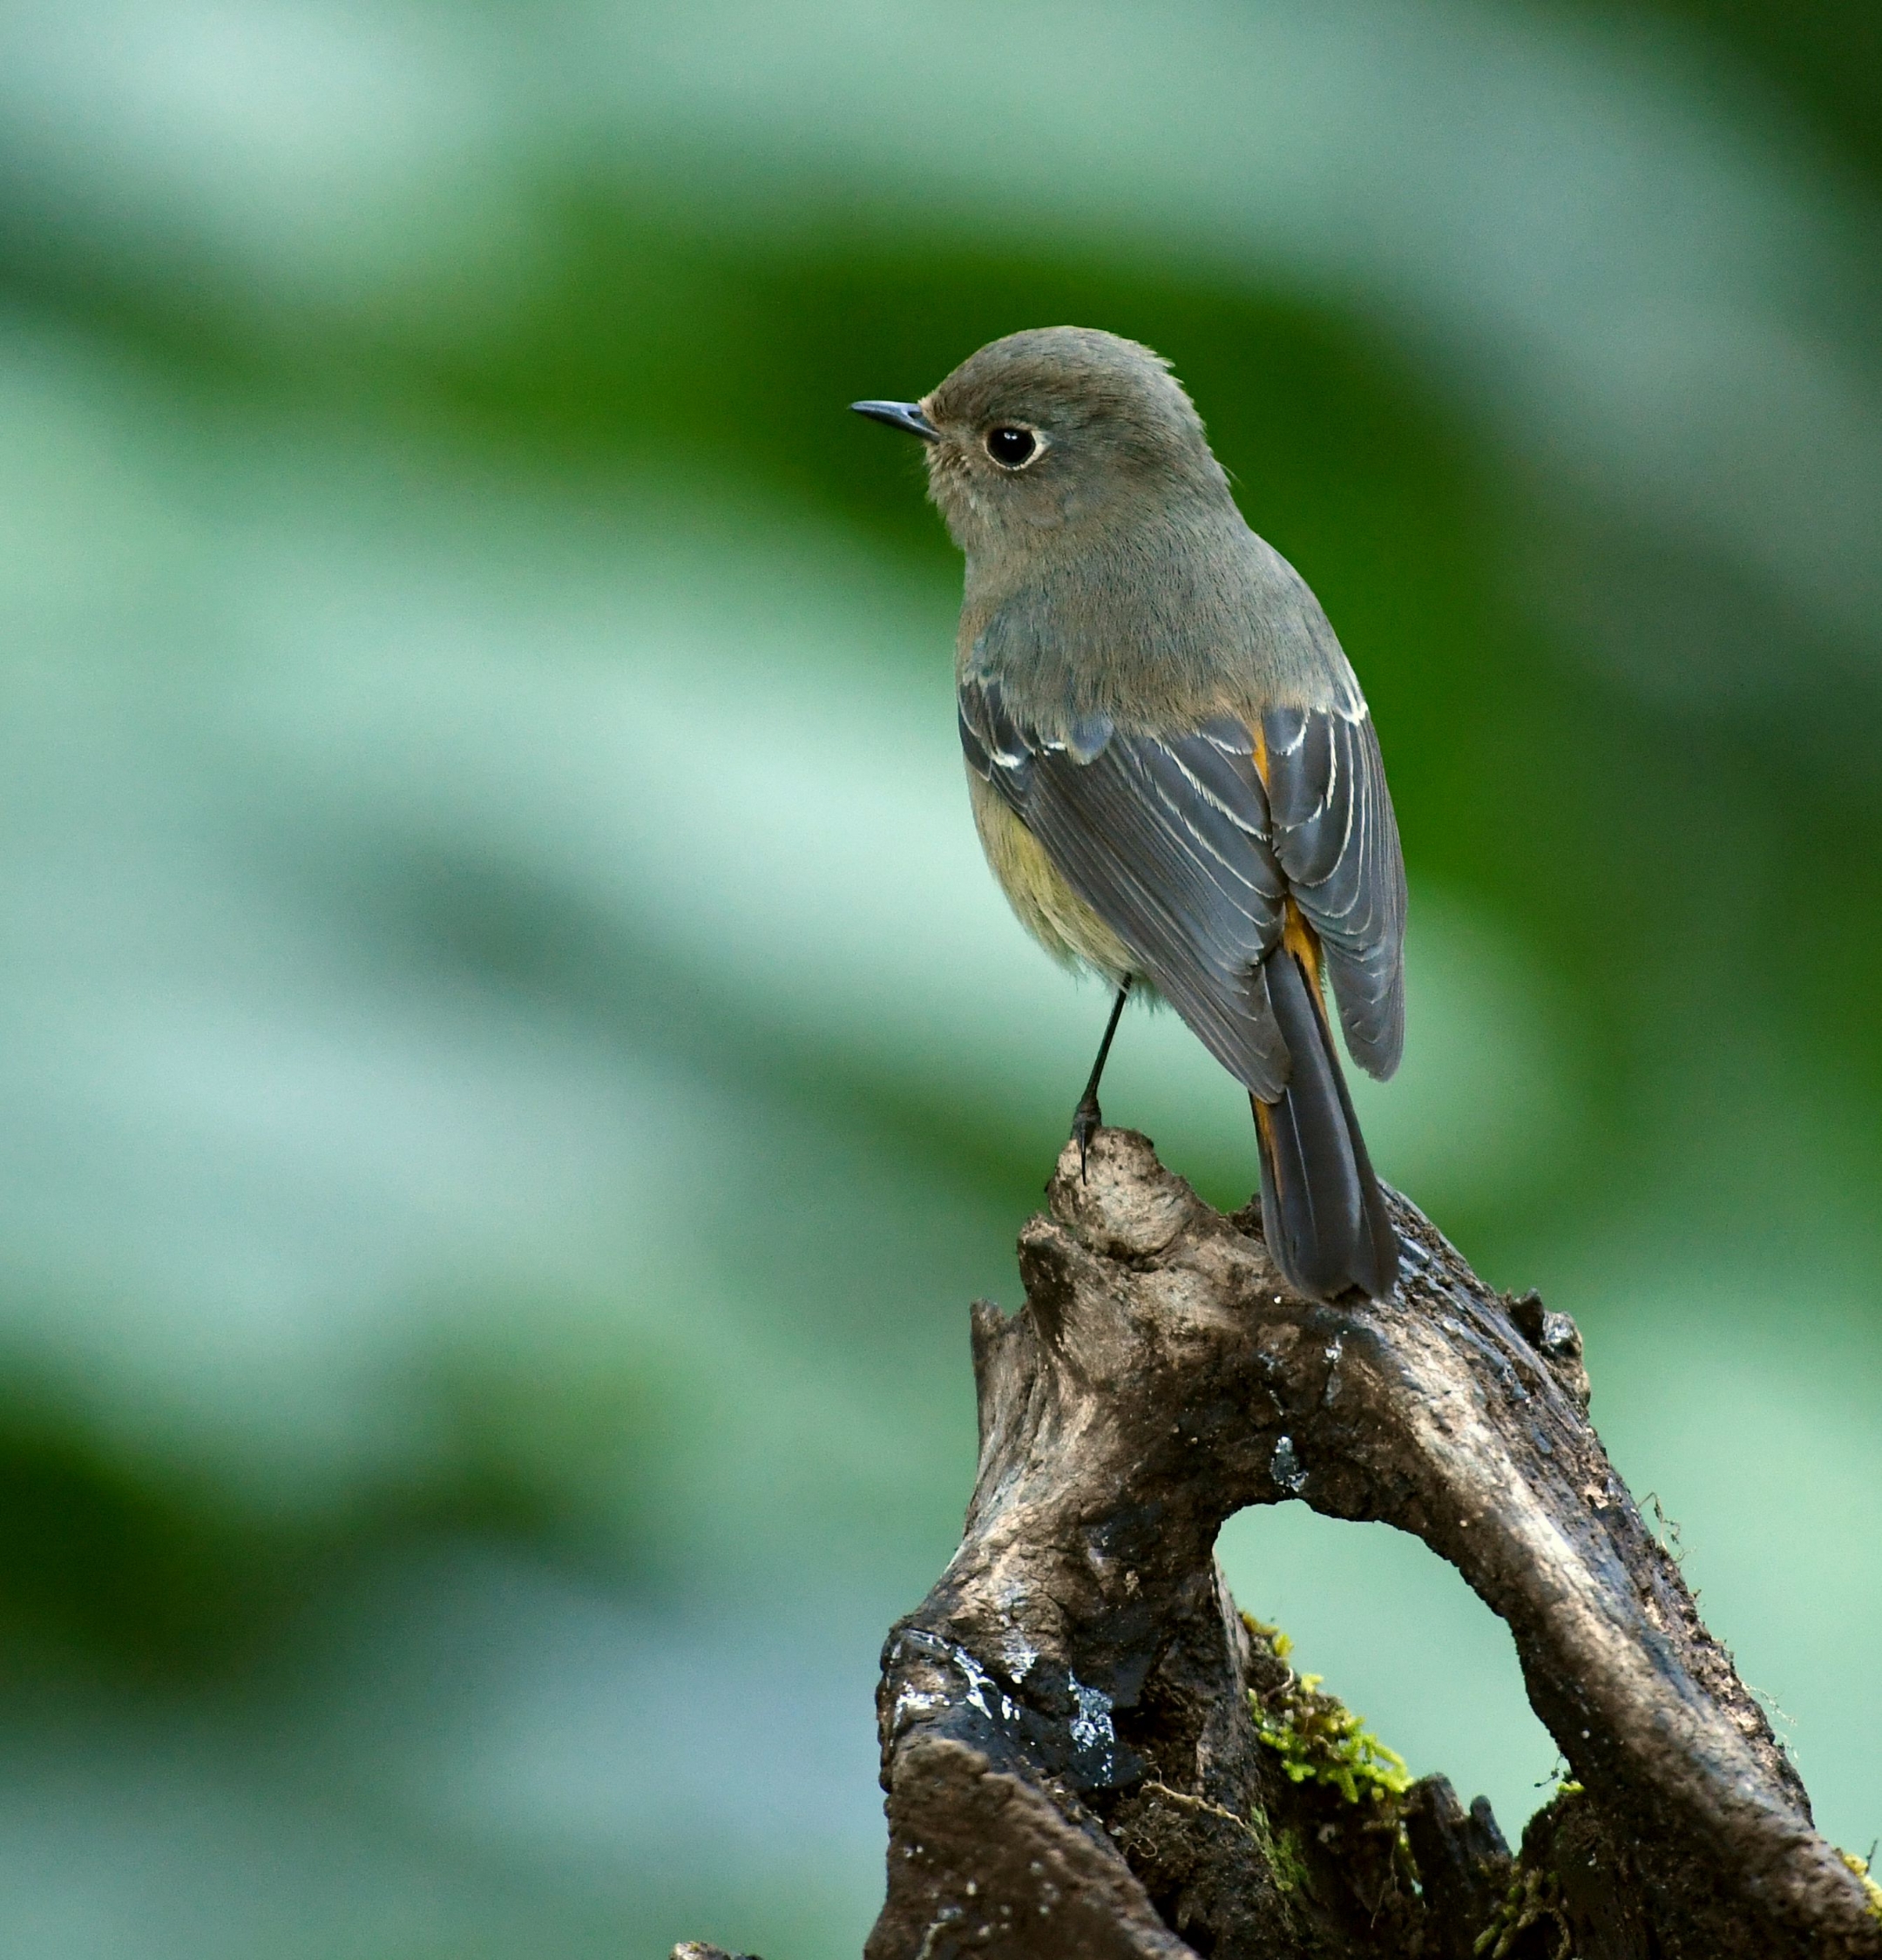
(1174, 772)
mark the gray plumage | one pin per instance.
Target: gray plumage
(1174, 768)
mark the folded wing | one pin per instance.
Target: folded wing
(1180, 847)
(1336, 840)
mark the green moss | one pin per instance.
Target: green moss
(1278, 1644)
(1289, 1860)
(1872, 1891)
(1318, 1738)
(1533, 1897)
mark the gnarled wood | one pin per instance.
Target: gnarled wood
(1068, 1745)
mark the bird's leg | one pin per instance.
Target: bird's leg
(1087, 1116)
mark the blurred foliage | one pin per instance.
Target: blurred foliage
(106, 1561)
(1827, 59)
(141, 1569)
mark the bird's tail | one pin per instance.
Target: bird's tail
(1322, 1210)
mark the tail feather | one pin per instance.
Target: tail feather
(1322, 1209)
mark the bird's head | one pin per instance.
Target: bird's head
(1054, 429)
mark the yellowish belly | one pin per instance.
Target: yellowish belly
(1062, 923)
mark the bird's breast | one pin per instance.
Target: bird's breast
(1048, 907)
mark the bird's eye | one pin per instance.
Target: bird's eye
(1012, 447)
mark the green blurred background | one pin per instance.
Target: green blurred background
(511, 1067)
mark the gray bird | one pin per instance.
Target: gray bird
(1174, 772)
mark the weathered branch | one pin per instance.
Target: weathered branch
(1069, 1741)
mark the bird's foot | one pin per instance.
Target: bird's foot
(1087, 1120)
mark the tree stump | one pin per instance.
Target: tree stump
(1088, 1752)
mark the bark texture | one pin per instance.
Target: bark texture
(1088, 1751)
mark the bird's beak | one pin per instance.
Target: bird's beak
(900, 415)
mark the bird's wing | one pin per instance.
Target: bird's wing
(1167, 839)
(1187, 848)
(1336, 840)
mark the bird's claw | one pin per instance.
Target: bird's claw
(1086, 1120)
